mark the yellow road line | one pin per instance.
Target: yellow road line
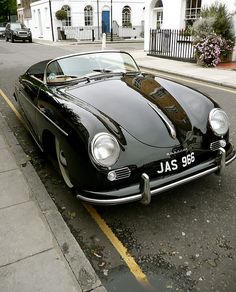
(12, 107)
(131, 263)
(122, 250)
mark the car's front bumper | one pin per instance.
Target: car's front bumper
(147, 188)
(21, 37)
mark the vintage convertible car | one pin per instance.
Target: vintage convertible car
(121, 135)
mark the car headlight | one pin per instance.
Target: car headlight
(219, 121)
(105, 149)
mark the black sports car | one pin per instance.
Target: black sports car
(121, 135)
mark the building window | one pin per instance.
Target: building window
(67, 21)
(193, 9)
(88, 15)
(126, 16)
(158, 9)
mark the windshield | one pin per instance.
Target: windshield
(17, 26)
(91, 63)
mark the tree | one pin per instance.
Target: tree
(61, 14)
(7, 8)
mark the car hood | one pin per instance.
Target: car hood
(155, 111)
(21, 29)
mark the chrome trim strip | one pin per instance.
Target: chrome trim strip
(60, 129)
(230, 160)
(168, 123)
(110, 201)
(155, 191)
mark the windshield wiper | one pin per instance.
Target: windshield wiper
(131, 73)
(65, 79)
(102, 70)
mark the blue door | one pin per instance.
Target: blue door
(105, 21)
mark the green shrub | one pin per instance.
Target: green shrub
(61, 14)
(222, 24)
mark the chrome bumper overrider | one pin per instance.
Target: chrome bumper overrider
(146, 192)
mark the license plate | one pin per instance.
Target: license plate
(175, 164)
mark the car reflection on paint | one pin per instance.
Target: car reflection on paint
(121, 135)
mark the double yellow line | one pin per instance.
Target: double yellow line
(12, 107)
(121, 249)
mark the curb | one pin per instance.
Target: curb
(192, 77)
(77, 43)
(72, 252)
(231, 86)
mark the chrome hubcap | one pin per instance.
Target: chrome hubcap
(62, 159)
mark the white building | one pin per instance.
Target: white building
(85, 17)
(176, 14)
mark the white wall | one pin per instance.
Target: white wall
(174, 13)
(77, 14)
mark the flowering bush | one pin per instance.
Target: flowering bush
(211, 49)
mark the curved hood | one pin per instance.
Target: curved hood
(145, 109)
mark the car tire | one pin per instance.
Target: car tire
(30, 40)
(62, 163)
(12, 39)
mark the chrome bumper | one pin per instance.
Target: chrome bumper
(145, 190)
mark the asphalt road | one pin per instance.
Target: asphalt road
(185, 240)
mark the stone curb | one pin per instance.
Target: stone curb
(72, 252)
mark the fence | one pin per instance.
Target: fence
(81, 33)
(91, 33)
(171, 44)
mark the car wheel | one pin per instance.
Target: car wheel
(12, 39)
(30, 40)
(62, 163)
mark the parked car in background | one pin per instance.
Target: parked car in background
(121, 135)
(17, 31)
(2, 30)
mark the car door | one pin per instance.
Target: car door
(28, 94)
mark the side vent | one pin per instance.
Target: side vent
(120, 173)
(214, 146)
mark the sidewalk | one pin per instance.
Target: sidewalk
(37, 250)
(221, 75)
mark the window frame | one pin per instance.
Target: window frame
(126, 16)
(192, 11)
(67, 21)
(88, 15)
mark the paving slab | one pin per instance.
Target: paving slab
(6, 161)
(44, 272)
(22, 233)
(13, 188)
(2, 142)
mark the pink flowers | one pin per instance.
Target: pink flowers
(211, 49)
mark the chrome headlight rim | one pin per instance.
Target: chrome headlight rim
(104, 163)
(213, 112)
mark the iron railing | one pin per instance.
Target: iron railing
(171, 44)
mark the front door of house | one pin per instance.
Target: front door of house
(105, 21)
